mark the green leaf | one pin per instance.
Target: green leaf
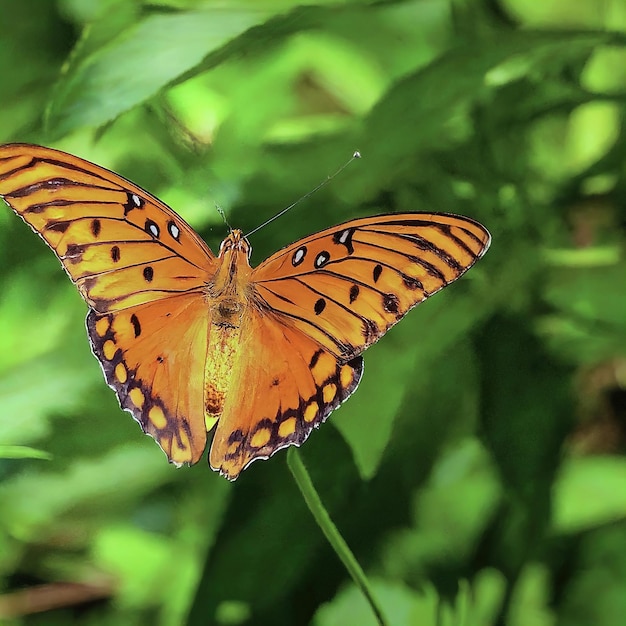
(37, 499)
(141, 60)
(416, 113)
(367, 420)
(589, 492)
(23, 452)
(140, 563)
(401, 604)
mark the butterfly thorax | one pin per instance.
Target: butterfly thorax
(227, 294)
(228, 289)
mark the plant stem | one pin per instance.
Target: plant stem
(319, 512)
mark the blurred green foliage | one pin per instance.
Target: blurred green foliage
(478, 473)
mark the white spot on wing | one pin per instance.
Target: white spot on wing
(174, 230)
(344, 236)
(298, 256)
(321, 259)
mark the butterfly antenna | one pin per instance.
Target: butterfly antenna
(220, 210)
(356, 155)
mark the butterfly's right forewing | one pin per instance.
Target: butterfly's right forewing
(346, 286)
(119, 244)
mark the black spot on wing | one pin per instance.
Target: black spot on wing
(148, 273)
(315, 358)
(58, 227)
(412, 283)
(134, 320)
(354, 293)
(152, 228)
(344, 238)
(378, 270)
(173, 230)
(133, 201)
(320, 305)
(390, 303)
(321, 259)
(236, 437)
(298, 256)
(74, 253)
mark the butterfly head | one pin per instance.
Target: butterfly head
(234, 245)
(233, 266)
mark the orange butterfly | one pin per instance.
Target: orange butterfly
(187, 339)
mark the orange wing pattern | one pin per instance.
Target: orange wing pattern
(153, 356)
(284, 385)
(346, 286)
(316, 305)
(120, 246)
(188, 340)
(142, 271)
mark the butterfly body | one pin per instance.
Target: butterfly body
(191, 341)
(226, 297)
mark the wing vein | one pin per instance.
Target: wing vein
(343, 348)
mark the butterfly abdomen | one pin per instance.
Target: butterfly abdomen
(223, 346)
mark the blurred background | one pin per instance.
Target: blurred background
(478, 473)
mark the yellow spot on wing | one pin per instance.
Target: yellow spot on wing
(324, 367)
(260, 438)
(157, 417)
(345, 376)
(288, 427)
(137, 397)
(329, 392)
(233, 447)
(311, 411)
(109, 349)
(102, 325)
(121, 373)
(180, 448)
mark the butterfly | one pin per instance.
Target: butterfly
(192, 342)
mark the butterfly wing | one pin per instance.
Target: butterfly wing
(142, 270)
(284, 385)
(315, 306)
(153, 356)
(120, 245)
(346, 286)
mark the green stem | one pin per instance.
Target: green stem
(312, 499)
